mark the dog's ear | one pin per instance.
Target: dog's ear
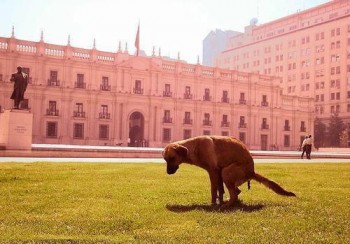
(181, 150)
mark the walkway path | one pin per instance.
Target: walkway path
(159, 160)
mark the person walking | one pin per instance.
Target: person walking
(303, 146)
(308, 147)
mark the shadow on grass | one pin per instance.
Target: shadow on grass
(214, 208)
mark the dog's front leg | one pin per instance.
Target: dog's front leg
(214, 183)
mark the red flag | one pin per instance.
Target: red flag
(137, 40)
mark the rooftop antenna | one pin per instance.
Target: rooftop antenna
(120, 47)
(13, 32)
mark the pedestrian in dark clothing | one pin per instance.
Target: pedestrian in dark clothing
(308, 147)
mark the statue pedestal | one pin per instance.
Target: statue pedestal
(16, 129)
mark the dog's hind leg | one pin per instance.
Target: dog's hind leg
(233, 176)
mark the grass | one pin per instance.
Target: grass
(139, 203)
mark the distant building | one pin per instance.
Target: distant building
(310, 50)
(214, 43)
(89, 97)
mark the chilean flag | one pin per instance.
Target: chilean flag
(137, 40)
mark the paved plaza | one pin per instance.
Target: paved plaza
(153, 155)
(159, 160)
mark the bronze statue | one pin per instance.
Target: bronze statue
(20, 86)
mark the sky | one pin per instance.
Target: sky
(175, 26)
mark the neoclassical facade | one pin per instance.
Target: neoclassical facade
(309, 50)
(89, 97)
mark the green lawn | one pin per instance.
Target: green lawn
(140, 203)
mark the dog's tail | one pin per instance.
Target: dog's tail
(272, 185)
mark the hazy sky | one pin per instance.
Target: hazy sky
(174, 26)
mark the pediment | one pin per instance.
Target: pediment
(142, 63)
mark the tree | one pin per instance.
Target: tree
(335, 130)
(319, 133)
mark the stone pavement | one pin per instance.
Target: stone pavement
(159, 160)
(111, 153)
(117, 154)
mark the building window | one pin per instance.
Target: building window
(52, 109)
(207, 120)
(51, 129)
(242, 123)
(224, 122)
(1, 77)
(187, 134)
(206, 96)
(242, 137)
(80, 81)
(225, 98)
(78, 132)
(286, 125)
(286, 140)
(105, 84)
(138, 89)
(302, 126)
(337, 70)
(187, 94)
(187, 119)
(79, 110)
(264, 101)
(166, 135)
(338, 95)
(167, 92)
(104, 132)
(104, 112)
(242, 98)
(53, 81)
(264, 124)
(167, 118)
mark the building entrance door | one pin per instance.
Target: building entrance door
(264, 142)
(136, 129)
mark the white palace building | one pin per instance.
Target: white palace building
(89, 97)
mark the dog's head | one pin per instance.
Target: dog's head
(174, 154)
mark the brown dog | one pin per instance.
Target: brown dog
(226, 159)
